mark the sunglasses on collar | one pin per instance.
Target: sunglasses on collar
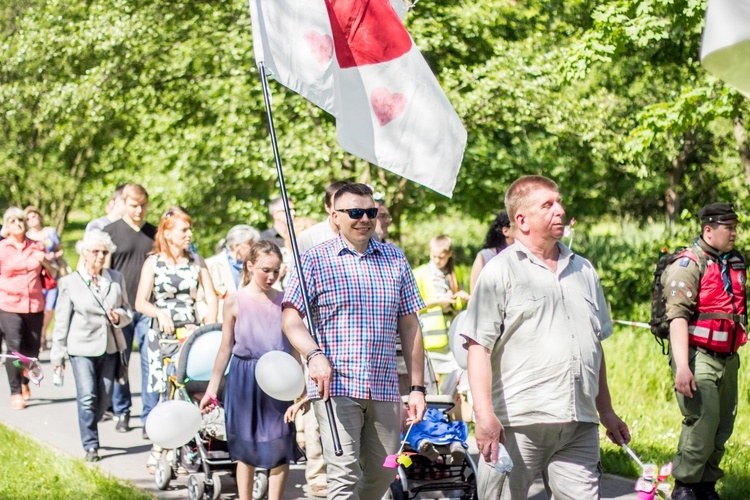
(358, 213)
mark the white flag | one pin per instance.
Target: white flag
(355, 59)
(725, 50)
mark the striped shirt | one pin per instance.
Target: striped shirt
(355, 301)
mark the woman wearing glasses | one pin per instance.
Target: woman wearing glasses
(92, 307)
(172, 275)
(21, 299)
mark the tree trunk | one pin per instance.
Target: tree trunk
(674, 177)
(740, 135)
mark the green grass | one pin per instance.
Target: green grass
(642, 391)
(32, 471)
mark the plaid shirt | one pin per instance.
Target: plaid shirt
(355, 301)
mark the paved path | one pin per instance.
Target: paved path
(51, 417)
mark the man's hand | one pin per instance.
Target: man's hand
(416, 407)
(684, 381)
(617, 430)
(489, 432)
(320, 372)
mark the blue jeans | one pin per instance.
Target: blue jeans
(121, 401)
(94, 378)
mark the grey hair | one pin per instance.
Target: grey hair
(91, 238)
(276, 205)
(242, 234)
(14, 212)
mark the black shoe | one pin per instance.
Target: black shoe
(123, 423)
(145, 434)
(92, 455)
(108, 415)
(707, 491)
(684, 491)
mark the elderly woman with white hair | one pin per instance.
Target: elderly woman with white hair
(226, 266)
(21, 299)
(92, 307)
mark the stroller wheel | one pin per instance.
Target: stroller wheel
(260, 484)
(163, 473)
(195, 487)
(213, 490)
(397, 492)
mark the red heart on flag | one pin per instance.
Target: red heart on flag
(366, 32)
(387, 106)
(321, 46)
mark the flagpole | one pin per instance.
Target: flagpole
(295, 249)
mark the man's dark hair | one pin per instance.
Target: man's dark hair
(353, 188)
(332, 189)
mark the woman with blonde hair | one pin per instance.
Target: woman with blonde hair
(171, 276)
(21, 299)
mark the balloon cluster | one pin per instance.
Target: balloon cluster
(651, 482)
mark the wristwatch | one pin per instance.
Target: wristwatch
(419, 388)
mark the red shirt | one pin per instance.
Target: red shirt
(20, 277)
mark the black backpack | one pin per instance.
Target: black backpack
(659, 324)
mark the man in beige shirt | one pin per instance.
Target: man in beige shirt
(536, 366)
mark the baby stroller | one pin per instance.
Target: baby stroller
(443, 477)
(188, 375)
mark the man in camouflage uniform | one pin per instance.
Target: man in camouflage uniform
(705, 299)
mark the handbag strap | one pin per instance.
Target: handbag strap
(106, 313)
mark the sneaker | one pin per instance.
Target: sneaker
(319, 491)
(25, 392)
(123, 423)
(17, 402)
(145, 434)
(458, 453)
(108, 415)
(153, 458)
(92, 455)
(428, 450)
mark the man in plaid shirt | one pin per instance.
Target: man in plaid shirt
(362, 294)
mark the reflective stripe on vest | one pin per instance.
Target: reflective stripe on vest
(434, 329)
(719, 324)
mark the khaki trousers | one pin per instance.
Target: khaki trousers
(369, 431)
(315, 468)
(566, 455)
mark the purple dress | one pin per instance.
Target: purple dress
(256, 432)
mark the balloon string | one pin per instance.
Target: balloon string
(403, 441)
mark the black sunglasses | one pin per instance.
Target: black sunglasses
(97, 252)
(357, 213)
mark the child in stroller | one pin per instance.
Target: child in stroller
(440, 464)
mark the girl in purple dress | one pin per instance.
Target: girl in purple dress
(260, 432)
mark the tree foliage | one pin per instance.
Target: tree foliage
(606, 97)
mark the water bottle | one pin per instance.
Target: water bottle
(504, 463)
(58, 377)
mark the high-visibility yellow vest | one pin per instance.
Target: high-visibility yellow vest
(434, 324)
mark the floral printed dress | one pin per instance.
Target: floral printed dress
(175, 291)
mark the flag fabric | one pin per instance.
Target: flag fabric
(355, 60)
(725, 50)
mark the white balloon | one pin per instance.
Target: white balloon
(172, 424)
(457, 341)
(280, 376)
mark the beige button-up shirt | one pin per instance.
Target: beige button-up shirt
(544, 330)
